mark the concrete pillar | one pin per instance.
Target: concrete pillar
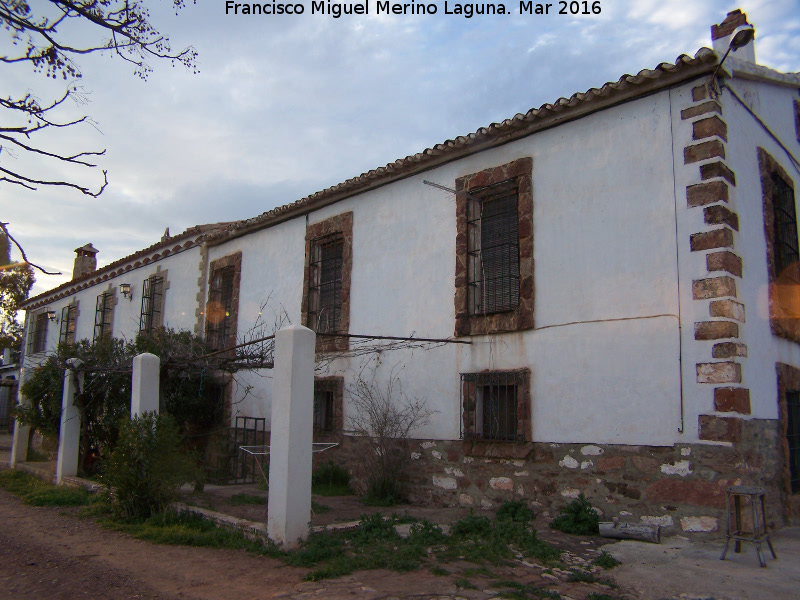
(144, 384)
(70, 435)
(19, 443)
(291, 437)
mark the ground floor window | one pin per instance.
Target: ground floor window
(793, 437)
(496, 406)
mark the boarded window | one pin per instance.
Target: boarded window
(152, 302)
(492, 249)
(103, 316)
(325, 284)
(69, 315)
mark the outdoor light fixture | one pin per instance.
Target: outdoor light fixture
(742, 35)
(126, 290)
(51, 314)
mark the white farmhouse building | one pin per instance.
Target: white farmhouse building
(624, 264)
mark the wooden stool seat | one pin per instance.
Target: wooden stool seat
(759, 531)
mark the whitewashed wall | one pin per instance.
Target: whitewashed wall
(605, 349)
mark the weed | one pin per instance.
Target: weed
(477, 572)
(471, 525)
(515, 590)
(243, 498)
(36, 492)
(464, 584)
(606, 561)
(581, 577)
(439, 571)
(577, 518)
(426, 534)
(596, 596)
(330, 480)
(517, 511)
(319, 509)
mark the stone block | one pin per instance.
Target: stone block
(610, 463)
(707, 193)
(709, 127)
(719, 372)
(732, 399)
(729, 309)
(501, 483)
(728, 350)
(703, 151)
(445, 483)
(721, 215)
(715, 330)
(708, 240)
(699, 93)
(648, 466)
(717, 169)
(724, 261)
(719, 429)
(712, 106)
(699, 524)
(713, 287)
(692, 491)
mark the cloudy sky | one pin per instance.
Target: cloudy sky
(284, 106)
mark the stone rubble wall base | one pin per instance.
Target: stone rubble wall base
(681, 487)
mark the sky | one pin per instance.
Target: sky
(287, 105)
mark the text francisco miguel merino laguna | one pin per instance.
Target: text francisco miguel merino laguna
(337, 9)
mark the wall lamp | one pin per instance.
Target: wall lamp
(125, 288)
(51, 314)
(742, 35)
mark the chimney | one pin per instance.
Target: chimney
(85, 261)
(721, 37)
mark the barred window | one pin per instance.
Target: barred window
(152, 294)
(492, 249)
(37, 336)
(793, 437)
(219, 308)
(103, 316)
(786, 246)
(325, 283)
(323, 410)
(495, 406)
(69, 315)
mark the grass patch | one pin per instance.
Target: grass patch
(244, 498)
(520, 591)
(36, 456)
(439, 571)
(330, 479)
(464, 583)
(577, 518)
(596, 596)
(320, 509)
(36, 492)
(606, 561)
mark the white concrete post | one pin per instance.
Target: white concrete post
(291, 436)
(144, 384)
(19, 443)
(70, 434)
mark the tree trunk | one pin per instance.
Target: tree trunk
(631, 531)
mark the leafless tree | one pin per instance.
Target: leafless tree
(46, 36)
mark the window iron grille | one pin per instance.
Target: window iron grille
(786, 245)
(493, 249)
(492, 406)
(37, 337)
(323, 410)
(152, 293)
(103, 314)
(220, 304)
(69, 315)
(325, 283)
(793, 437)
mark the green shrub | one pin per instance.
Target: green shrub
(147, 468)
(606, 561)
(517, 511)
(330, 479)
(577, 518)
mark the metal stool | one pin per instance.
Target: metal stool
(759, 532)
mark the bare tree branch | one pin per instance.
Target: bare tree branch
(22, 252)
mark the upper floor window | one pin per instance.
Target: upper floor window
(494, 250)
(329, 260)
(37, 335)
(783, 250)
(69, 315)
(104, 315)
(152, 303)
(222, 308)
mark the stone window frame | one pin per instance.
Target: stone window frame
(69, 315)
(335, 385)
(157, 322)
(468, 405)
(231, 318)
(782, 294)
(521, 317)
(37, 335)
(788, 380)
(341, 224)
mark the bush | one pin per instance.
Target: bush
(147, 468)
(330, 479)
(577, 518)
